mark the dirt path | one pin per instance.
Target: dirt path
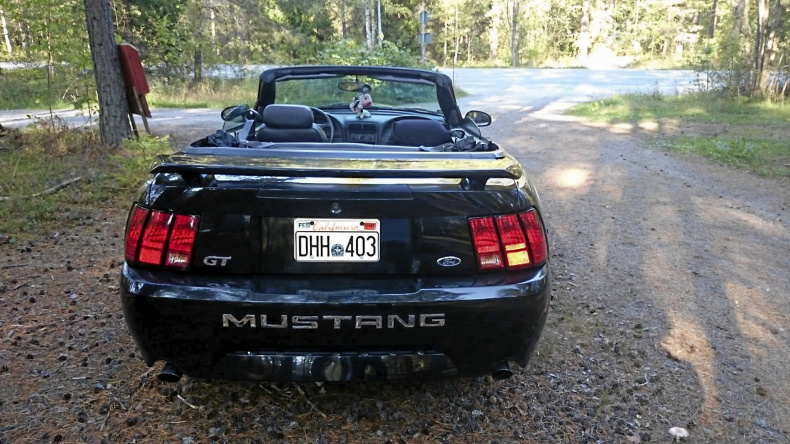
(692, 255)
(671, 306)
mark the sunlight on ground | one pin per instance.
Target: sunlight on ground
(756, 319)
(762, 326)
(753, 221)
(573, 178)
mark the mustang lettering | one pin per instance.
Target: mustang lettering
(333, 321)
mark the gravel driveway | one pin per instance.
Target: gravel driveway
(671, 308)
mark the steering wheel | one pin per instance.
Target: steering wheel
(328, 122)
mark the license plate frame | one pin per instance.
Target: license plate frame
(337, 240)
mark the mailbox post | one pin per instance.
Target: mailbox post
(423, 38)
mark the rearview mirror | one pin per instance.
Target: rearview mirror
(354, 87)
(479, 117)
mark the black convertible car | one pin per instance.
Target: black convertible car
(352, 224)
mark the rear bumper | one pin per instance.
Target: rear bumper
(336, 328)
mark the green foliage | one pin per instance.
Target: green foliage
(208, 93)
(34, 89)
(347, 52)
(765, 156)
(156, 29)
(693, 107)
(747, 133)
(49, 154)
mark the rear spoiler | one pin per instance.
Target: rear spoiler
(473, 166)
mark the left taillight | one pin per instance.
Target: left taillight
(160, 238)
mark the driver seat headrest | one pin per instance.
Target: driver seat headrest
(289, 123)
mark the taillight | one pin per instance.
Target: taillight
(160, 238)
(179, 249)
(535, 236)
(489, 253)
(154, 238)
(134, 228)
(511, 241)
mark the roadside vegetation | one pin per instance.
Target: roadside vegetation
(747, 133)
(54, 178)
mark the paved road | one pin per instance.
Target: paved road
(538, 92)
(553, 90)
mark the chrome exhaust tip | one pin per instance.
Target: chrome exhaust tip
(170, 373)
(501, 371)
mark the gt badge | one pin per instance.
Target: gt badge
(449, 261)
(213, 261)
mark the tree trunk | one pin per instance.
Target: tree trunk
(742, 18)
(24, 29)
(455, 53)
(584, 33)
(761, 75)
(712, 21)
(444, 58)
(343, 18)
(768, 36)
(213, 18)
(368, 26)
(493, 36)
(113, 108)
(514, 35)
(380, 34)
(5, 32)
(198, 62)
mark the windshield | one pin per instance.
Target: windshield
(339, 92)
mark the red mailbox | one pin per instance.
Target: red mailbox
(136, 84)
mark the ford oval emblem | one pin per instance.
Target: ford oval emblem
(449, 261)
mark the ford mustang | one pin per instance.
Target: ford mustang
(351, 224)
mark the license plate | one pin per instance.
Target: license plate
(336, 240)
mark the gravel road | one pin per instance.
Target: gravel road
(671, 308)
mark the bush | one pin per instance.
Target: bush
(347, 52)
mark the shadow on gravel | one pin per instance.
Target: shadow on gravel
(669, 275)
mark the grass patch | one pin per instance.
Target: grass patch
(693, 107)
(209, 93)
(30, 89)
(44, 156)
(767, 157)
(750, 134)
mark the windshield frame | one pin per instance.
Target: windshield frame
(445, 95)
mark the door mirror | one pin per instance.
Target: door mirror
(479, 117)
(233, 111)
(233, 117)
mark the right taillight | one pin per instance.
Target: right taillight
(160, 238)
(535, 235)
(512, 241)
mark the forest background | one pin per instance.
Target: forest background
(740, 45)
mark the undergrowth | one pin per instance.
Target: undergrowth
(53, 177)
(745, 133)
(208, 93)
